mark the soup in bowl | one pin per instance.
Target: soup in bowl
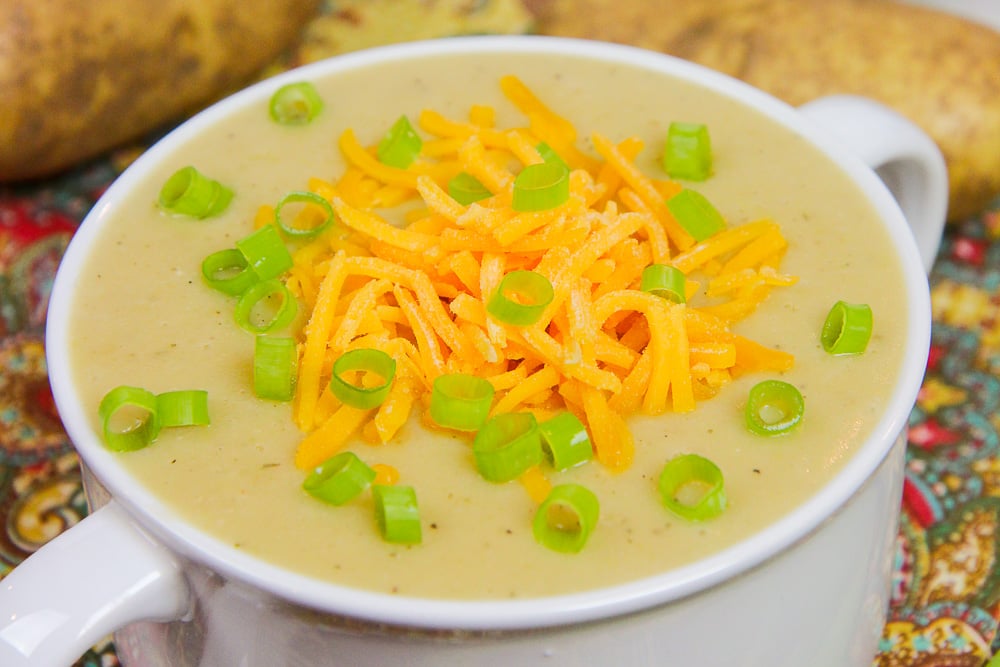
(499, 349)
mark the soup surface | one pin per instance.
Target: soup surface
(144, 317)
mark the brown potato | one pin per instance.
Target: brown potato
(81, 77)
(939, 70)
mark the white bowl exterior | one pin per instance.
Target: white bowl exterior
(879, 515)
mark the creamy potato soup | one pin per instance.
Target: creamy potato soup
(144, 317)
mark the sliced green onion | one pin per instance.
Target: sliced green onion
(339, 479)
(274, 366)
(565, 441)
(688, 152)
(549, 155)
(507, 445)
(683, 473)
(255, 311)
(189, 192)
(397, 513)
(184, 407)
(309, 199)
(466, 189)
(228, 271)
(774, 407)
(460, 401)
(665, 281)
(566, 518)
(129, 418)
(367, 360)
(696, 214)
(539, 187)
(295, 104)
(521, 298)
(401, 145)
(265, 252)
(847, 329)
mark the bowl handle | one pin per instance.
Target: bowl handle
(904, 157)
(94, 578)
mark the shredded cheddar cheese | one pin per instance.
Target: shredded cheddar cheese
(417, 286)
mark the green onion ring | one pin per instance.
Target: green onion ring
(774, 407)
(687, 152)
(184, 407)
(565, 441)
(295, 104)
(664, 281)
(696, 214)
(566, 518)
(365, 359)
(534, 292)
(228, 271)
(308, 198)
(401, 145)
(466, 189)
(539, 187)
(191, 193)
(460, 401)
(265, 252)
(257, 293)
(549, 155)
(847, 329)
(339, 479)
(274, 367)
(692, 468)
(507, 445)
(129, 418)
(397, 513)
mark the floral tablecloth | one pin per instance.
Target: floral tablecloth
(946, 586)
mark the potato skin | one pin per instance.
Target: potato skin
(939, 70)
(81, 77)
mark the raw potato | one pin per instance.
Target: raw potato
(81, 77)
(941, 71)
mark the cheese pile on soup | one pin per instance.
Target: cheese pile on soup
(144, 317)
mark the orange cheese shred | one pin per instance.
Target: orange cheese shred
(409, 270)
(331, 436)
(536, 484)
(385, 474)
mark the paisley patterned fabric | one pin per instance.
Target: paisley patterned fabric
(945, 602)
(946, 584)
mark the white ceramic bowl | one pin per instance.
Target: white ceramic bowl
(810, 589)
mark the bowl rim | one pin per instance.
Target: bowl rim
(156, 517)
